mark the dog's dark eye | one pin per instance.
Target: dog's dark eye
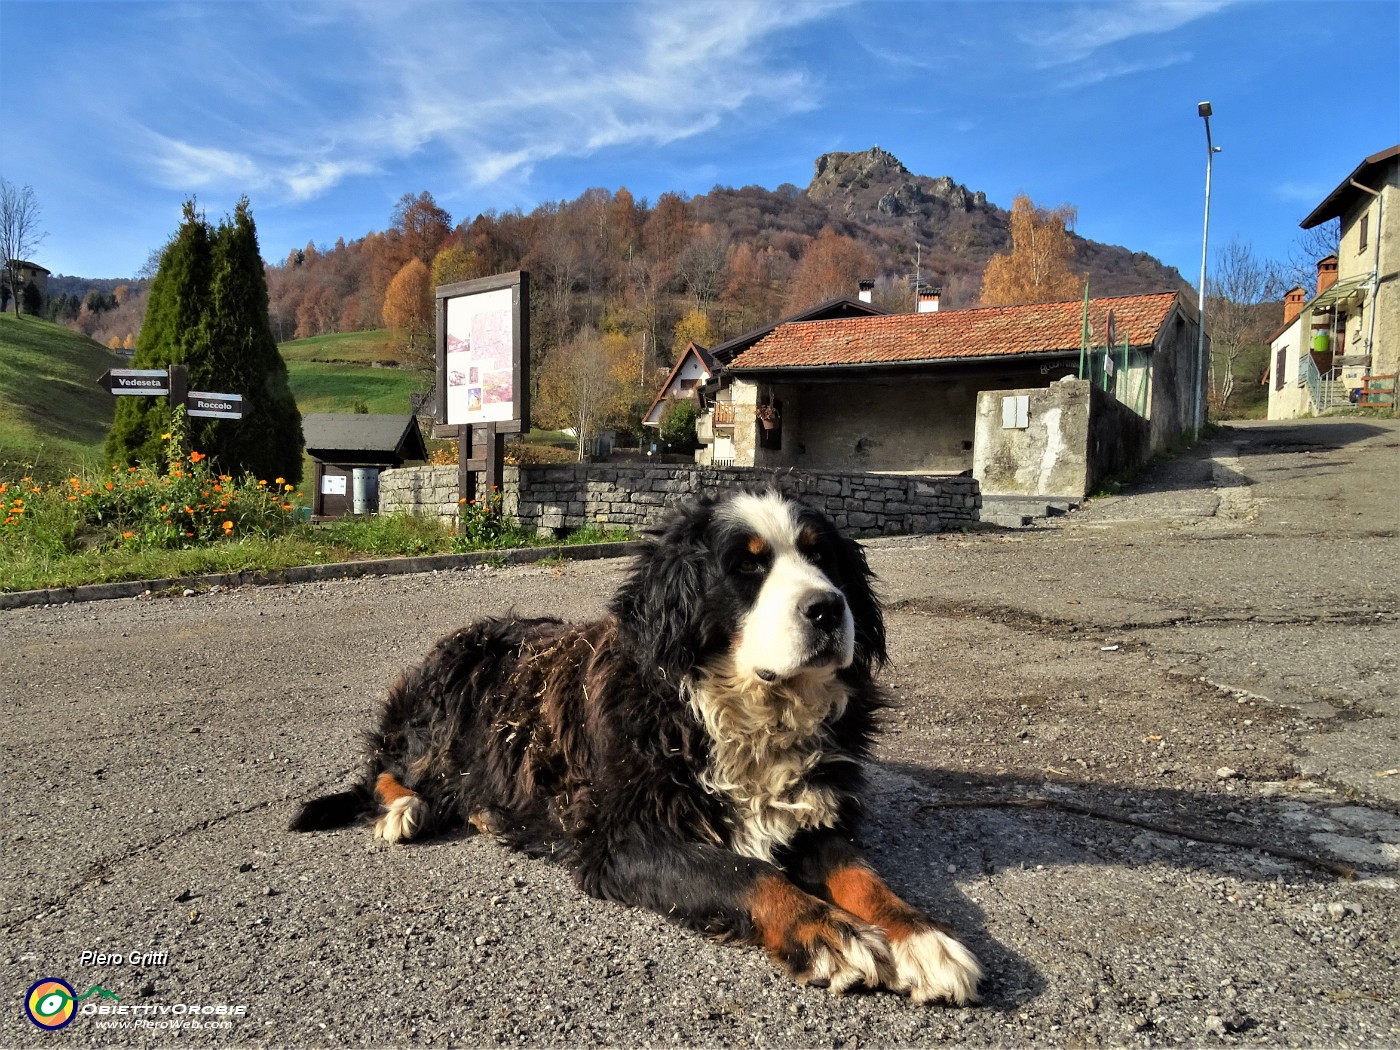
(749, 566)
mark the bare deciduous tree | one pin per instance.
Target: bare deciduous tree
(700, 266)
(588, 384)
(1308, 247)
(19, 232)
(1238, 286)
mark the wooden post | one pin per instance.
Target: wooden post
(179, 385)
(466, 477)
(483, 452)
(493, 476)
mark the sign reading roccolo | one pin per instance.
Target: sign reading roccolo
(172, 383)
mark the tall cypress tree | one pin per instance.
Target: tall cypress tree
(208, 310)
(243, 359)
(172, 332)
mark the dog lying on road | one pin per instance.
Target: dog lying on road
(697, 751)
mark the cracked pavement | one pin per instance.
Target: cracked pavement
(1134, 750)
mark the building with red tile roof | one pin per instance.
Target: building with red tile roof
(899, 392)
(1036, 329)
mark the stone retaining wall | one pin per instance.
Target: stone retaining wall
(558, 498)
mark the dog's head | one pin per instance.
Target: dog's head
(762, 577)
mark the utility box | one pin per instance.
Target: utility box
(349, 451)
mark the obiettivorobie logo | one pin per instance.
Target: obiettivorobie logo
(51, 1002)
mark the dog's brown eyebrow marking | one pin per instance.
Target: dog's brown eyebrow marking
(807, 537)
(757, 545)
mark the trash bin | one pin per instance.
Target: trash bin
(365, 482)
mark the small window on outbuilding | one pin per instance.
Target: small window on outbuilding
(1016, 412)
(1363, 232)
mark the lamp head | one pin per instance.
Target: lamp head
(1203, 109)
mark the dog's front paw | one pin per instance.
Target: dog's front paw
(930, 964)
(401, 820)
(839, 952)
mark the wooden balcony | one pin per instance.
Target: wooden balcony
(724, 413)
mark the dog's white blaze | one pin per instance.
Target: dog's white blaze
(932, 965)
(765, 738)
(774, 636)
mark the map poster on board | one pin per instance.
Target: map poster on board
(483, 353)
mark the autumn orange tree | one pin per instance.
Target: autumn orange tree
(831, 266)
(1037, 269)
(408, 308)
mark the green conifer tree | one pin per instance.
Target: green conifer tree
(243, 359)
(208, 310)
(172, 332)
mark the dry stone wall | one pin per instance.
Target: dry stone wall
(559, 498)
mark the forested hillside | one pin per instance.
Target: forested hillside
(716, 264)
(620, 284)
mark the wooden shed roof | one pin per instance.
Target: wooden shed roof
(379, 438)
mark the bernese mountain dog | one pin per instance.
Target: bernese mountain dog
(698, 750)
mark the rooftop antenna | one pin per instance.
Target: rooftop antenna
(918, 279)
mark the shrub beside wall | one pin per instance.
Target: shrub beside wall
(555, 499)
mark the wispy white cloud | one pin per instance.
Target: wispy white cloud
(1073, 34)
(1086, 74)
(192, 167)
(646, 75)
(307, 181)
(495, 89)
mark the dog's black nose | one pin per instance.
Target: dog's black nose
(824, 610)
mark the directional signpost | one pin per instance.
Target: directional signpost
(148, 381)
(173, 383)
(215, 406)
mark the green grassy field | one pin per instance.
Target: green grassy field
(352, 347)
(320, 387)
(53, 415)
(334, 373)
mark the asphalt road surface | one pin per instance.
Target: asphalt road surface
(1137, 751)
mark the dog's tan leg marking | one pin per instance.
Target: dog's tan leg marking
(403, 810)
(818, 944)
(930, 963)
(485, 822)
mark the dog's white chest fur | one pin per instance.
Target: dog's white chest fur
(765, 739)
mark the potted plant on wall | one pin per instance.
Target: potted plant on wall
(767, 416)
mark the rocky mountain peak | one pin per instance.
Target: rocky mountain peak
(846, 172)
(874, 180)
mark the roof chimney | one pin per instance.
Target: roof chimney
(867, 290)
(1326, 273)
(929, 295)
(1293, 304)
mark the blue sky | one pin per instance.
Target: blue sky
(324, 114)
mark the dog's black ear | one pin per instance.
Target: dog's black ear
(858, 583)
(660, 604)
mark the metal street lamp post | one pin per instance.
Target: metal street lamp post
(1203, 110)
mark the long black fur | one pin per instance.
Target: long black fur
(574, 740)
